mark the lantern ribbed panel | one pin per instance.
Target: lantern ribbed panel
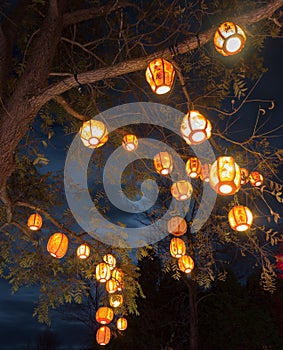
(103, 335)
(160, 75)
(177, 247)
(57, 245)
(34, 222)
(240, 218)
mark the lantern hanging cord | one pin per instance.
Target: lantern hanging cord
(183, 85)
(80, 88)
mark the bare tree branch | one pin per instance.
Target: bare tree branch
(68, 108)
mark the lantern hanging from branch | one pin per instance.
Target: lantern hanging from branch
(93, 133)
(195, 128)
(186, 263)
(205, 172)
(177, 247)
(229, 39)
(111, 286)
(244, 176)
(102, 272)
(160, 76)
(103, 335)
(118, 275)
(181, 190)
(130, 142)
(110, 260)
(240, 218)
(256, 179)
(104, 315)
(193, 167)
(34, 222)
(225, 176)
(163, 163)
(57, 245)
(83, 251)
(177, 226)
(116, 300)
(122, 323)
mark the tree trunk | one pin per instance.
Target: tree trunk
(194, 335)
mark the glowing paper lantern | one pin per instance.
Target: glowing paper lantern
(130, 142)
(118, 275)
(205, 172)
(104, 315)
(181, 190)
(186, 263)
(163, 163)
(229, 39)
(244, 176)
(93, 133)
(195, 128)
(57, 245)
(102, 272)
(160, 76)
(122, 323)
(34, 222)
(111, 286)
(225, 176)
(177, 247)
(83, 251)
(103, 335)
(193, 167)
(116, 300)
(240, 218)
(256, 179)
(177, 226)
(110, 260)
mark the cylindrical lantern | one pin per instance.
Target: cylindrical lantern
(163, 163)
(195, 128)
(102, 272)
(130, 142)
(110, 260)
(83, 251)
(193, 167)
(205, 172)
(111, 286)
(116, 300)
(229, 39)
(122, 323)
(177, 226)
(104, 315)
(225, 176)
(186, 263)
(103, 335)
(244, 176)
(181, 190)
(34, 222)
(177, 247)
(118, 275)
(93, 133)
(256, 179)
(160, 75)
(57, 245)
(240, 218)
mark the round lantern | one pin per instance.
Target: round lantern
(104, 315)
(130, 142)
(34, 222)
(186, 263)
(116, 300)
(177, 226)
(225, 176)
(256, 179)
(110, 260)
(118, 275)
(57, 245)
(163, 163)
(193, 167)
(160, 76)
(122, 323)
(93, 133)
(111, 286)
(83, 251)
(102, 272)
(205, 172)
(177, 247)
(181, 190)
(195, 128)
(103, 335)
(240, 218)
(244, 176)
(229, 39)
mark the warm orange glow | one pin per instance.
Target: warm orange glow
(122, 323)
(244, 176)
(160, 75)
(181, 190)
(177, 226)
(116, 300)
(177, 247)
(103, 335)
(163, 163)
(118, 276)
(34, 222)
(104, 315)
(195, 128)
(256, 179)
(229, 39)
(205, 172)
(83, 251)
(130, 142)
(110, 260)
(186, 263)
(93, 133)
(225, 176)
(57, 245)
(240, 218)
(193, 167)
(102, 272)
(111, 286)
